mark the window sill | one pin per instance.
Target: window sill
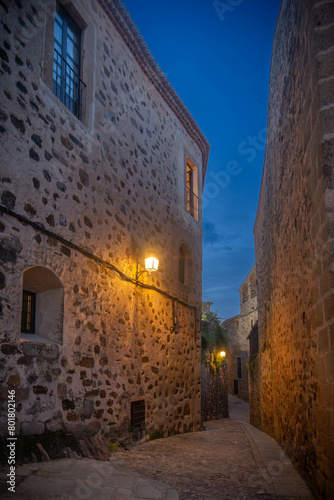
(68, 113)
(32, 337)
(39, 347)
(193, 217)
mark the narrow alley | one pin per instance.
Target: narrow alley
(231, 459)
(157, 159)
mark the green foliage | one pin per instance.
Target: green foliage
(113, 446)
(251, 364)
(214, 340)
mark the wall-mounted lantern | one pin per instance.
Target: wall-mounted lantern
(151, 265)
(222, 354)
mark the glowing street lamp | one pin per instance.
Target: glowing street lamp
(151, 265)
(222, 354)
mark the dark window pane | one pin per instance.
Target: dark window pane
(58, 34)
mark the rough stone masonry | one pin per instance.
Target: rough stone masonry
(238, 328)
(83, 199)
(292, 382)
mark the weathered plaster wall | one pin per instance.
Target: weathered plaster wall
(112, 184)
(292, 385)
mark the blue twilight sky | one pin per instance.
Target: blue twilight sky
(216, 54)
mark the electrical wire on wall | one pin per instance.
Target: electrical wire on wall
(102, 262)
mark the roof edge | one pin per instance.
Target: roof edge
(230, 320)
(252, 269)
(122, 21)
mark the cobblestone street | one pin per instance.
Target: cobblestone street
(215, 464)
(222, 462)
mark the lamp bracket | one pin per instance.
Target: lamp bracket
(139, 273)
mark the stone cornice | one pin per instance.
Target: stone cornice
(118, 15)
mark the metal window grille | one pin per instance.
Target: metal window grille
(239, 367)
(28, 312)
(192, 203)
(137, 418)
(67, 84)
(236, 387)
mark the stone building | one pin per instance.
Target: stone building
(101, 165)
(292, 381)
(238, 329)
(214, 387)
(206, 306)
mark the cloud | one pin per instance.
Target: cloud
(219, 288)
(210, 233)
(215, 241)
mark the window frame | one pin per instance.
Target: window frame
(69, 74)
(48, 291)
(86, 23)
(192, 199)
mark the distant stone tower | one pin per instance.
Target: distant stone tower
(238, 328)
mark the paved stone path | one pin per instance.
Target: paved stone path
(85, 479)
(230, 460)
(279, 475)
(216, 464)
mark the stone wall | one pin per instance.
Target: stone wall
(214, 393)
(292, 382)
(231, 326)
(238, 329)
(83, 201)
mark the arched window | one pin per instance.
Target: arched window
(42, 305)
(182, 264)
(244, 293)
(253, 286)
